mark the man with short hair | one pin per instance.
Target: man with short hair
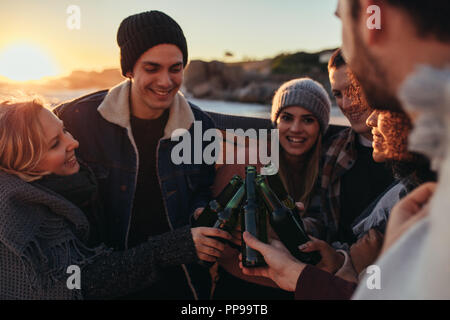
(126, 137)
(405, 65)
(354, 108)
(351, 179)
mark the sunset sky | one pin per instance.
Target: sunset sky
(35, 40)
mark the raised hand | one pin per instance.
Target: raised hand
(331, 259)
(282, 267)
(408, 212)
(208, 248)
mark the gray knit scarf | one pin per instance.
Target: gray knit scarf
(46, 234)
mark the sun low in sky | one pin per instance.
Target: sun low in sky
(22, 61)
(36, 40)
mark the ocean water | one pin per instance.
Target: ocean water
(226, 107)
(255, 110)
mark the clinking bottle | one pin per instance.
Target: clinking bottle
(227, 218)
(252, 220)
(209, 215)
(284, 223)
(275, 183)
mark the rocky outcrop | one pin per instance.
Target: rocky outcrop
(250, 82)
(232, 82)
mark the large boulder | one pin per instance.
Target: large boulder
(202, 90)
(196, 73)
(257, 92)
(234, 76)
(216, 68)
(213, 79)
(251, 81)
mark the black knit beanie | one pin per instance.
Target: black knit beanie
(142, 31)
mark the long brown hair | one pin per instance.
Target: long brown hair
(302, 189)
(22, 140)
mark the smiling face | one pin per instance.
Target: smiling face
(156, 78)
(352, 105)
(390, 132)
(298, 131)
(59, 157)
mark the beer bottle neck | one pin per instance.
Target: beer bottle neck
(237, 198)
(250, 183)
(229, 191)
(270, 198)
(278, 188)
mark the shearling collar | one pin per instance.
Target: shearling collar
(115, 108)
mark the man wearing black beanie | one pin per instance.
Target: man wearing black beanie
(126, 137)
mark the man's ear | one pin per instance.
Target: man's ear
(375, 22)
(129, 75)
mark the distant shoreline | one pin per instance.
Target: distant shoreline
(256, 110)
(54, 98)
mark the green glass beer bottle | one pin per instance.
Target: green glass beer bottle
(252, 220)
(209, 215)
(275, 183)
(285, 225)
(228, 217)
(277, 186)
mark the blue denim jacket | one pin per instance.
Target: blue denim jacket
(100, 122)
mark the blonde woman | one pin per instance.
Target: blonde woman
(51, 219)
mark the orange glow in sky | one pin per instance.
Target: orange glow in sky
(25, 61)
(251, 29)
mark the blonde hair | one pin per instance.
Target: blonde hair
(22, 140)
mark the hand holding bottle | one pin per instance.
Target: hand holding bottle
(208, 248)
(281, 267)
(198, 212)
(331, 260)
